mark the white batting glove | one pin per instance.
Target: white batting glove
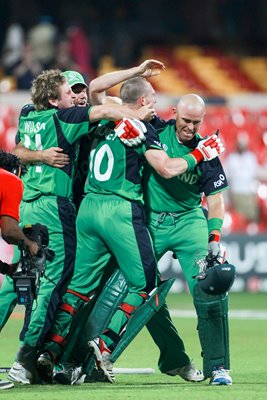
(216, 248)
(131, 131)
(208, 148)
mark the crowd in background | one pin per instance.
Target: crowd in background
(78, 36)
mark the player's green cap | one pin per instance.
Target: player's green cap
(74, 78)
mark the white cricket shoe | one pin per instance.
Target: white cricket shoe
(6, 385)
(220, 376)
(17, 373)
(188, 373)
(102, 357)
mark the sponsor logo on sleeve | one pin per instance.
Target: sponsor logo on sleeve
(220, 182)
(159, 144)
(165, 147)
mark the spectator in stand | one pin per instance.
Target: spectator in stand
(63, 60)
(43, 38)
(28, 68)
(80, 49)
(242, 170)
(12, 48)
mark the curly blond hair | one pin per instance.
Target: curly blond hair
(46, 87)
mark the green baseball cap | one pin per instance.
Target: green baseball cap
(74, 78)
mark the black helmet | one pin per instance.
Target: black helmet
(218, 279)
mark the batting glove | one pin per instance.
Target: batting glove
(216, 249)
(208, 148)
(131, 131)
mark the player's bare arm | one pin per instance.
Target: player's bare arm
(99, 85)
(165, 166)
(117, 112)
(206, 150)
(111, 100)
(215, 205)
(216, 210)
(53, 156)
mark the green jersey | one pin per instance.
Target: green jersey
(40, 130)
(184, 192)
(118, 169)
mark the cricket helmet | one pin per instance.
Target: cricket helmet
(217, 279)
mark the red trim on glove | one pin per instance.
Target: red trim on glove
(198, 155)
(214, 237)
(130, 131)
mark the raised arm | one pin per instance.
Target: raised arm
(99, 85)
(116, 112)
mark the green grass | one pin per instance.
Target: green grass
(248, 363)
(239, 301)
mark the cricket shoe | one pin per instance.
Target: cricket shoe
(17, 373)
(45, 365)
(188, 373)
(6, 385)
(69, 374)
(102, 357)
(220, 376)
(27, 357)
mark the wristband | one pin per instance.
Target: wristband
(214, 237)
(191, 161)
(215, 224)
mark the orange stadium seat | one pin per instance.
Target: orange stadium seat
(209, 71)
